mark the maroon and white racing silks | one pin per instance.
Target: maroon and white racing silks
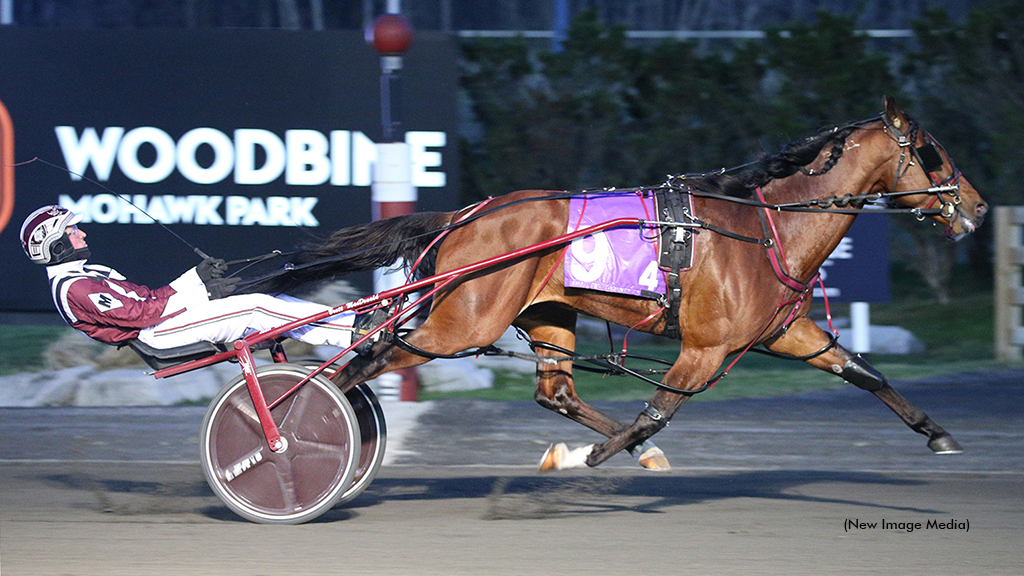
(101, 303)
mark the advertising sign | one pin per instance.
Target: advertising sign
(239, 141)
(858, 269)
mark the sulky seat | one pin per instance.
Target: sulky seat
(158, 358)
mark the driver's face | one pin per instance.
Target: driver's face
(77, 237)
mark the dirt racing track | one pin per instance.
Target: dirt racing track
(822, 483)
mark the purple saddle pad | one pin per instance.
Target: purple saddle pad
(620, 260)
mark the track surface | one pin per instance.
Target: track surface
(759, 487)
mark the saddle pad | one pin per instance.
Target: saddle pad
(619, 260)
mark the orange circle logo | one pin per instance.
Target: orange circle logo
(6, 167)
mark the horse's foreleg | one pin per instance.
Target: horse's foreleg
(556, 391)
(650, 421)
(804, 337)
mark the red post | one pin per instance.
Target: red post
(393, 193)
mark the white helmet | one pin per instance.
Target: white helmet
(44, 236)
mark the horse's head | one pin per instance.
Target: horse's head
(925, 177)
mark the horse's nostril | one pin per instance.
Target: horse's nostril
(982, 209)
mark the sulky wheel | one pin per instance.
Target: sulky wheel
(309, 476)
(373, 433)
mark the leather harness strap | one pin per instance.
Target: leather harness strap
(676, 252)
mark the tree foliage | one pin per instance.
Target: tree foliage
(601, 112)
(598, 112)
(969, 81)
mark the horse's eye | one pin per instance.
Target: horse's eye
(931, 160)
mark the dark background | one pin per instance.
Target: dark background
(178, 80)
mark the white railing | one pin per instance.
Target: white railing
(1009, 290)
(674, 34)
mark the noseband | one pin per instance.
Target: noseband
(928, 158)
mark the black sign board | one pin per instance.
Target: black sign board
(858, 269)
(240, 141)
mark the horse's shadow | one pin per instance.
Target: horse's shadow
(530, 496)
(511, 497)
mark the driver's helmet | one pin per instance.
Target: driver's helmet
(44, 237)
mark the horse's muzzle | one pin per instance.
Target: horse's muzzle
(962, 223)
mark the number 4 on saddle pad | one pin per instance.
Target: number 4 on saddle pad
(620, 260)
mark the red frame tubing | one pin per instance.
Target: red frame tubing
(243, 353)
(245, 361)
(257, 338)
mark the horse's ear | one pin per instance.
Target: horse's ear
(892, 112)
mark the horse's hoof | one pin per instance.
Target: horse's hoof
(559, 457)
(654, 459)
(945, 445)
(552, 457)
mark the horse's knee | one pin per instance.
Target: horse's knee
(858, 372)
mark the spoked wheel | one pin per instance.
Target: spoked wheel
(310, 475)
(373, 433)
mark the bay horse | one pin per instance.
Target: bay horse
(736, 295)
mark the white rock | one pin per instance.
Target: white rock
(883, 339)
(452, 375)
(894, 340)
(87, 386)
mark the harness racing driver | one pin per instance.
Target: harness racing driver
(102, 304)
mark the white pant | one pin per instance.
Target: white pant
(228, 319)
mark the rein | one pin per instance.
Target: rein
(824, 205)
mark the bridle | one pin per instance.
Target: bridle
(927, 156)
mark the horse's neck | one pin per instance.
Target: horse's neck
(808, 238)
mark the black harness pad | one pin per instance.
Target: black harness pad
(160, 358)
(676, 252)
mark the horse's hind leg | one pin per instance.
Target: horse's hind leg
(555, 389)
(804, 337)
(690, 371)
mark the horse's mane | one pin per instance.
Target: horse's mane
(792, 158)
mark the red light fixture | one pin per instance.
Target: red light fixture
(392, 34)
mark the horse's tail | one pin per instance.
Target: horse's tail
(357, 248)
